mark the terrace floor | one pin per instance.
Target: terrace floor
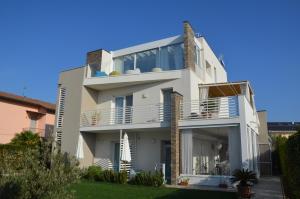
(268, 188)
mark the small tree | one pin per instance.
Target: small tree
(26, 138)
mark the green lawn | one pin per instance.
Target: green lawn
(85, 190)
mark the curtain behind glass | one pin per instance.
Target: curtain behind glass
(187, 152)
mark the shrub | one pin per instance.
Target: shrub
(114, 177)
(26, 138)
(108, 176)
(293, 161)
(93, 173)
(122, 177)
(34, 178)
(148, 179)
(289, 157)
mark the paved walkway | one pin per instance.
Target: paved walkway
(268, 188)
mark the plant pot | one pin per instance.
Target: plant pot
(183, 183)
(244, 191)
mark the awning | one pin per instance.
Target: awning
(227, 88)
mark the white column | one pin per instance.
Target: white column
(243, 133)
(234, 148)
(187, 151)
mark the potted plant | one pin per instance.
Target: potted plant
(245, 179)
(114, 73)
(184, 182)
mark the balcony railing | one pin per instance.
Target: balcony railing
(127, 115)
(211, 108)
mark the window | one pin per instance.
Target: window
(58, 138)
(197, 56)
(124, 63)
(167, 58)
(171, 57)
(61, 107)
(208, 68)
(147, 60)
(215, 74)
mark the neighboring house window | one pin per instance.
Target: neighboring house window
(61, 107)
(33, 123)
(166, 58)
(49, 130)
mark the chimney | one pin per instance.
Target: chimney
(189, 46)
(94, 59)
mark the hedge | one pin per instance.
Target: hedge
(289, 156)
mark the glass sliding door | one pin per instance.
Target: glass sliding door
(171, 57)
(119, 111)
(167, 103)
(123, 110)
(128, 109)
(147, 60)
(124, 63)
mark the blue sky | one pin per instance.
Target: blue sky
(259, 40)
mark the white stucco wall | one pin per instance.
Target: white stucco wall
(209, 56)
(148, 147)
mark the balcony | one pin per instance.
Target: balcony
(159, 115)
(125, 80)
(211, 108)
(128, 117)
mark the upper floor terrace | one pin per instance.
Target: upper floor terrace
(155, 61)
(226, 103)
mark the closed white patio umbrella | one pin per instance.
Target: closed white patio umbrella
(125, 156)
(79, 152)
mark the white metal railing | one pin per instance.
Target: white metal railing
(126, 115)
(211, 108)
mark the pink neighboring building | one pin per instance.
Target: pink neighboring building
(18, 113)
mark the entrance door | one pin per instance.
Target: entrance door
(116, 156)
(166, 159)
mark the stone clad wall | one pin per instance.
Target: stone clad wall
(189, 46)
(176, 98)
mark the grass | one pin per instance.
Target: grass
(90, 190)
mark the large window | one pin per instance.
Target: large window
(147, 60)
(124, 63)
(166, 58)
(172, 57)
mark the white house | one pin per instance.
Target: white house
(173, 100)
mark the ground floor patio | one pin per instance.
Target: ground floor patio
(207, 156)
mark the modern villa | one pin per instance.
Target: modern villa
(172, 98)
